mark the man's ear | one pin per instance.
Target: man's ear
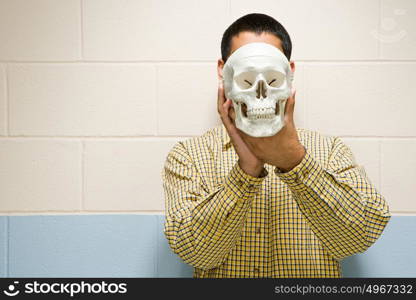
(220, 65)
(292, 66)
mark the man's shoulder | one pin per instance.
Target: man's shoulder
(209, 138)
(319, 143)
(305, 133)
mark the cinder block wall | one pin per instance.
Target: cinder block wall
(94, 93)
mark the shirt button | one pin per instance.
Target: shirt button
(258, 230)
(256, 270)
(240, 182)
(251, 185)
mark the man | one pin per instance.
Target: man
(291, 205)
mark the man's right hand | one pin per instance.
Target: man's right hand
(248, 162)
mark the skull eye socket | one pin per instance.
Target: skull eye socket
(274, 78)
(245, 80)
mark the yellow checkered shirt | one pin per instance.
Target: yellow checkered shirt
(301, 223)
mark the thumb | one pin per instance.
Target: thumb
(290, 107)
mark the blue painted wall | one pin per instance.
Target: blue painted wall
(135, 246)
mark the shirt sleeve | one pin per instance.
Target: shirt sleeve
(343, 208)
(201, 225)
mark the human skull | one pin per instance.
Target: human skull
(258, 80)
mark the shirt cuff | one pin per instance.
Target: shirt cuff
(242, 183)
(300, 176)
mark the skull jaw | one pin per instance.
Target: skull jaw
(260, 127)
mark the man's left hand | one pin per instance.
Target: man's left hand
(282, 150)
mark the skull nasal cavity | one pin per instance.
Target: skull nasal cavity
(261, 90)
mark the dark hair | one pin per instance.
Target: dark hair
(256, 23)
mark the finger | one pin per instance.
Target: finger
(290, 108)
(290, 103)
(220, 97)
(223, 105)
(228, 123)
(232, 113)
(225, 113)
(234, 133)
(224, 108)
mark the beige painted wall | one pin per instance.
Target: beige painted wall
(94, 93)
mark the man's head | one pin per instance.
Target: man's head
(258, 73)
(254, 28)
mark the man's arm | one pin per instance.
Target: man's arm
(203, 226)
(343, 208)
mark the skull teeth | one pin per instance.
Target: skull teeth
(268, 116)
(261, 113)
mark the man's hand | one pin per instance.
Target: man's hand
(282, 150)
(248, 162)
